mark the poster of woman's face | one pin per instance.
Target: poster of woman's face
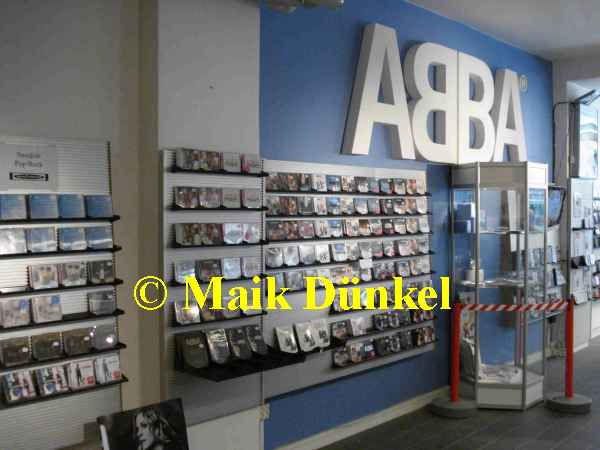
(155, 427)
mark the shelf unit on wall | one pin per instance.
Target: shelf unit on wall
(216, 390)
(83, 167)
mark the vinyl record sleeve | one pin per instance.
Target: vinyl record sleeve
(77, 342)
(305, 336)
(240, 348)
(108, 369)
(186, 197)
(233, 233)
(98, 206)
(104, 337)
(251, 163)
(46, 309)
(43, 206)
(18, 386)
(13, 207)
(255, 339)
(12, 241)
(232, 162)
(71, 206)
(15, 351)
(160, 426)
(41, 240)
(286, 339)
(251, 198)
(43, 276)
(46, 346)
(231, 198)
(81, 374)
(99, 238)
(218, 346)
(186, 316)
(101, 272)
(72, 239)
(319, 182)
(15, 313)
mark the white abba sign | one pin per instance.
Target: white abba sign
(465, 96)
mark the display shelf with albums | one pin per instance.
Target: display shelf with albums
(326, 220)
(79, 359)
(500, 256)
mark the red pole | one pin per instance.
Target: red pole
(569, 342)
(455, 352)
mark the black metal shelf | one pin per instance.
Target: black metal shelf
(378, 357)
(176, 246)
(97, 387)
(65, 358)
(321, 288)
(242, 316)
(59, 220)
(175, 169)
(338, 263)
(220, 208)
(354, 194)
(36, 292)
(240, 368)
(113, 249)
(346, 216)
(68, 318)
(353, 238)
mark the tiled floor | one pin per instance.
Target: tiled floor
(535, 429)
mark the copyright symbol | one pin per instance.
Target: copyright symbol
(141, 298)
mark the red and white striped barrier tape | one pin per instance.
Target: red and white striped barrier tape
(552, 306)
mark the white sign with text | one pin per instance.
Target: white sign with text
(26, 167)
(475, 116)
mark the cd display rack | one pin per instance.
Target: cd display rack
(59, 339)
(371, 232)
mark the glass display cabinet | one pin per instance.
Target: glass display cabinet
(499, 256)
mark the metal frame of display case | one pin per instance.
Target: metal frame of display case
(519, 177)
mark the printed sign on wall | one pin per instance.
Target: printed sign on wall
(476, 116)
(26, 167)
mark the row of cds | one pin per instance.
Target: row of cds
(220, 346)
(15, 241)
(361, 351)
(207, 234)
(55, 206)
(229, 268)
(22, 312)
(208, 161)
(296, 280)
(311, 254)
(308, 336)
(45, 347)
(336, 307)
(52, 381)
(335, 206)
(207, 197)
(305, 182)
(290, 230)
(80, 273)
(194, 314)
(361, 325)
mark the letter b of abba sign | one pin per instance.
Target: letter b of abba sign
(465, 98)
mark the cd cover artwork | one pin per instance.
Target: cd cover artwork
(41, 240)
(72, 239)
(13, 207)
(71, 206)
(43, 206)
(72, 274)
(98, 206)
(159, 426)
(43, 276)
(12, 241)
(101, 272)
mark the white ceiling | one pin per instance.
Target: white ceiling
(552, 29)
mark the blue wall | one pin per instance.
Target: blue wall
(308, 62)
